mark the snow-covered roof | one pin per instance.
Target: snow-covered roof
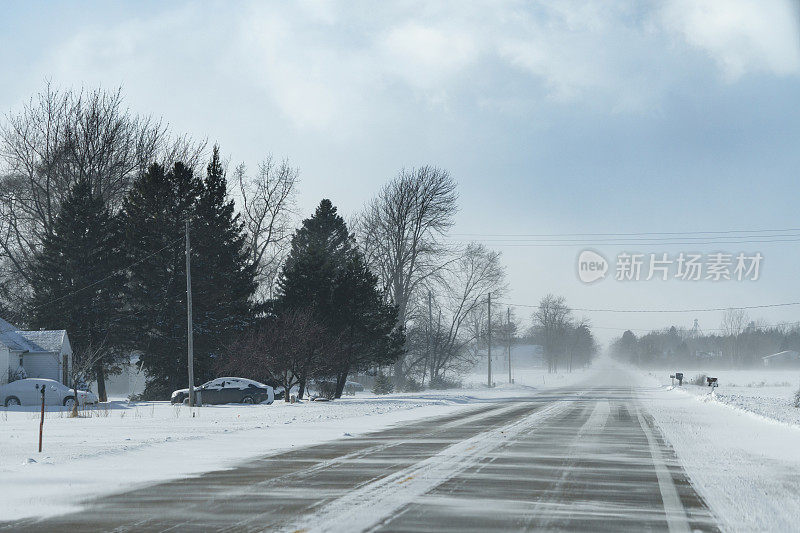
(31, 341)
(47, 341)
(6, 326)
(11, 337)
(788, 354)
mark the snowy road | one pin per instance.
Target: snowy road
(572, 459)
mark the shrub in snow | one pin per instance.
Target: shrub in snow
(412, 385)
(440, 382)
(699, 379)
(383, 384)
(797, 398)
(327, 389)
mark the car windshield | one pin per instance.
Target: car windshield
(503, 265)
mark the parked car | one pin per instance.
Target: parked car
(28, 392)
(352, 387)
(228, 390)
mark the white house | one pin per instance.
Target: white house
(34, 354)
(785, 358)
(129, 382)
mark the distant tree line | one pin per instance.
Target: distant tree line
(739, 342)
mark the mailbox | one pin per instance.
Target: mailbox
(712, 382)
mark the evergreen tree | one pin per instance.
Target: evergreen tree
(369, 333)
(319, 253)
(383, 384)
(223, 283)
(326, 274)
(223, 276)
(155, 211)
(78, 282)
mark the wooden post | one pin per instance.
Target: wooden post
(41, 421)
(489, 341)
(189, 331)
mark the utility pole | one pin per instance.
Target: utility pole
(190, 340)
(508, 325)
(489, 340)
(430, 327)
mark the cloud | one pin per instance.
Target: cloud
(339, 67)
(741, 36)
(585, 52)
(427, 56)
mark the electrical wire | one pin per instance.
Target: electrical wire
(101, 280)
(624, 234)
(687, 310)
(588, 243)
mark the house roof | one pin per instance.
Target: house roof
(47, 341)
(786, 353)
(31, 341)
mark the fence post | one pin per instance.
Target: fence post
(41, 422)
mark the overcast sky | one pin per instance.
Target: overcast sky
(554, 117)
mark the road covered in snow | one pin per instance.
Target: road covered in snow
(122, 445)
(607, 450)
(739, 445)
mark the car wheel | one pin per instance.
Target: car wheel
(69, 402)
(11, 401)
(248, 400)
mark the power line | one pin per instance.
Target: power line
(721, 238)
(581, 243)
(695, 310)
(101, 280)
(646, 330)
(637, 233)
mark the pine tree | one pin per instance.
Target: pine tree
(369, 335)
(326, 274)
(319, 253)
(383, 384)
(223, 276)
(223, 280)
(155, 212)
(78, 282)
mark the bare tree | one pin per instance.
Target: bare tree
(57, 139)
(458, 295)
(85, 359)
(734, 323)
(282, 350)
(268, 209)
(580, 343)
(400, 232)
(551, 321)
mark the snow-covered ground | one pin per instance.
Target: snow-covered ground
(767, 393)
(740, 447)
(123, 445)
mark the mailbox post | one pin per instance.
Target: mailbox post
(41, 421)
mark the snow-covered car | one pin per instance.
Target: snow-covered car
(28, 392)
(352, 387)
(228, 390)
